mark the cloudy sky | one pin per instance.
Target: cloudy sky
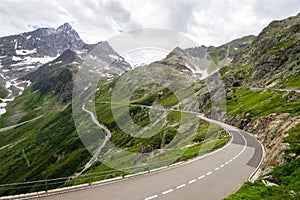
(207, 22)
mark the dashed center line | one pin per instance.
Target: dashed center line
(168, 191)
(152, 197)
(180, 186)
(201, 177)
(192, 181)
(208, 173)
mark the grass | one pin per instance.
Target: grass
(260, 103)
(160, 137)
(48, 147)
(294, 82)
(288, 177)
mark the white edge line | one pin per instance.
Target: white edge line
(179, 164)
(261, 160)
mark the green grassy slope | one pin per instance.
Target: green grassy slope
(263, 97)
(48, 147)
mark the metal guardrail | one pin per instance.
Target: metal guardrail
(11, 190)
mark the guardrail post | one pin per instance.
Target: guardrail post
(148, 167)
(90, 179)
(169, 162)
(123, 174)
(46, 186)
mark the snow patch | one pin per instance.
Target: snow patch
(75, 63)
(58, 62)
(30, 61)
(10, 97)
(24, 52)
(196, 70)
(2, 111)
(87, 87)
(15, 58)
(3, 105)
(16, 44)
(190, 68)
(28, 37)
(30, 67)
(115, 57)
(2, 76)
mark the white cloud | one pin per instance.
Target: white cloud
(208, 22)
(145, 56)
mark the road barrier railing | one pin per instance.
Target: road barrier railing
(40, 187)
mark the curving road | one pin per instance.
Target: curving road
(213, 176)
(99, 150)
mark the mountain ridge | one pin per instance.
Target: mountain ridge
(255, 101)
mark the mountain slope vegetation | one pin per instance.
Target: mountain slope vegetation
(262, 97)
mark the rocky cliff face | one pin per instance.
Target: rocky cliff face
(49, 58)
(23, 53)
(274, 54)
(270, 65)
(41, 42)
(263, 89)
(200, 62)
(58, 76)
(231, 49)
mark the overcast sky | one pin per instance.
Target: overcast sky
(207, 22)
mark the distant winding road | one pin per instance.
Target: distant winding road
(99, 150)
(213, 176)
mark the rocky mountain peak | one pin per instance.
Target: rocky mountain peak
(64, 27)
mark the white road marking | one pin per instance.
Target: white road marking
(230, 160)
(217, 168)
(152, 197)
(222, 165)
(226, 163)
(168, 191)
(192, 181)
(180, 186)
(208, 173)
(201, 177)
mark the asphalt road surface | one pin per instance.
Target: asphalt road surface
(212, 177)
